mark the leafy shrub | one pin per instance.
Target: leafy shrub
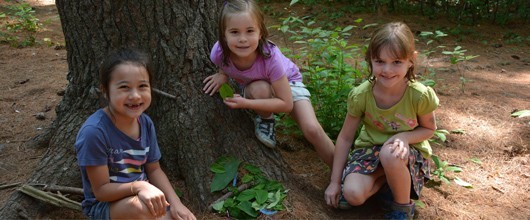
(260, 194)
(330, 67)
(21, 19)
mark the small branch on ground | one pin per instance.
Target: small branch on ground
(62, 189)
(6, 186)
(225, 196)
(50, 198)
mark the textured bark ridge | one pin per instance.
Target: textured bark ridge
(193, 128)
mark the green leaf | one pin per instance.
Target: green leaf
(261, 196)
(358, 20)
(247, 178)
(436, 161)
(276, 198)
(463, 183)
(221, 180)
(217, 168)
(458, 131)
(419, 204)
(293, 2)
(252, 169)
(246, 195)
(429, 82)
(370, 25)
(440, 34)
(443, 178)
(218, 206)
(476, 160)
(522, 113)
(347, 28)
(247, 208)
(226, 91)
(454, 169)
(425, 33)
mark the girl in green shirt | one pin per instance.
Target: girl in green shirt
(397, 117)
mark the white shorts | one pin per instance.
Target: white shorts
(299, 91)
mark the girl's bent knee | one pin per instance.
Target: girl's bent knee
(354, 199)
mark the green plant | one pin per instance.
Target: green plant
(458, 56)
(256, 193)
(21, 18)
(330, 68)
(441, 170)
(521, 113)
(439, 136)
(430, 38)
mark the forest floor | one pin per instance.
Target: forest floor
(491, 147)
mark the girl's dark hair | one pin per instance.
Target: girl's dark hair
(231, 7)
(398, 39)
(121, 56)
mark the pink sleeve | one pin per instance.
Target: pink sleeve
(216, 56)
(275, 65)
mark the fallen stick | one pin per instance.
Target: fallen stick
(63, 189)
(228, 194)
(9, 185)
(56, 200)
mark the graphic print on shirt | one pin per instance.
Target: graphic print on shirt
(375, 122)
(394, 125)
(410, 122)
(127, 164)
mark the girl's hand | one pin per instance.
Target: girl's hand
(214, 82)
(236, 102)
(399, 147)
(153, 198)
(179, 211)
(332, 194)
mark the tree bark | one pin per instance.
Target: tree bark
(193, 129)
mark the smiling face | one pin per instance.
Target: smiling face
(242, 35)
(129, 92)
(390, 71)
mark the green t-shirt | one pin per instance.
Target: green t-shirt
(381, 124)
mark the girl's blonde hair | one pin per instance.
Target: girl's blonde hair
(232, 7)
(398, 39)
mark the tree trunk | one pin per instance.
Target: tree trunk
(193, 128)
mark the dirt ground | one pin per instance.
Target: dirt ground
(498, 83)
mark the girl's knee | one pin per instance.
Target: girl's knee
(258, 90)
(354, 192)
(386, 156)
(353, 198)
(129, 208)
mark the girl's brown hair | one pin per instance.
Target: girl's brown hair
(232, 7)
(398, 39)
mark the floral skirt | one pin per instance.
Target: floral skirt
(366, 161)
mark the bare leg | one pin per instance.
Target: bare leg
(259, 90)
(130, 208)
(397, 175)
(358, 187)
(305, 117)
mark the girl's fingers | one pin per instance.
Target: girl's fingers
(151, 208)
(207, 86)
(161, 208)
